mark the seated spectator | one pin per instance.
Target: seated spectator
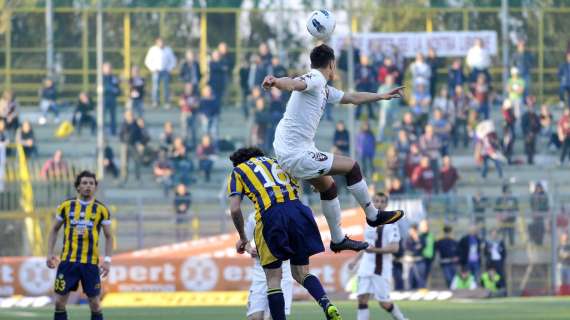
(182, 164)
(182, 202)
(163, 171)
(341, 139)
(9, 111)
(189, 104)
(448, 175)
(206, 153)
(430, 145)
(491, 281)
(413, 160)
(442, 129)
(409, 126)
(548, 127)
(423, 176)
(443, 102)
(27, 139)
(48, 101)
(388, 68)
(210, 109)
(455, 76)
(55, 167)
(509, 123)
(137, 83)
(366, 149)
(420, 104)
(82, 114)
(395, 187)
(133, 144)
(393, 164)
(402, 146)
(109, 162)
(464, 280)
(167, 137)
(461, 107)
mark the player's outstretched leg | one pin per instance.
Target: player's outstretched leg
(331, 210)
(356, 184)
(393, 309)
(275, 298)
(313, 285)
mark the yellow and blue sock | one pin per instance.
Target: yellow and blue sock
(276, 303)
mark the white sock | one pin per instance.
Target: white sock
(396, 313)
(363, 314)
(359, 191)
(331, 210)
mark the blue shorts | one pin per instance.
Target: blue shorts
(70, 273)
(287, 231)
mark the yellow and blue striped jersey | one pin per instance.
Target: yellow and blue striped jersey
(263, 181)
(82, 225)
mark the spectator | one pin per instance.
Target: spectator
(143, 147)
(395, 187)
(136, 84)
(227, 61)
(547, 127)
(131, 138)
(252, 98)
(276, 68)
(428, 247)
(524, 62)
(455, 76)
(469, 251)
(398, 267)
(564, 134)
(218, 76)
(530, 124)
(480, 93)
(163, 171)
(414, 248)
(539, 207)
(388, 68)
(434, 63)
(464, 280)
(443, 102)
(264, 54)
(167, 137)
(421, 72)
(461, 107)
(480, 203)
(413, 160)
(341, 139)
(431, 145)
(257, 71)
(9, 111)
(509, 122)
(564, 259)
(491, 281)
(393, 164)
(182, 202)
(420, 104)
(442, 130)
(82, 114)
(365, 81)
(403, 146)
(387, 107)
(111, 91)
(487, 149)
(366, 149)
(409, 126)
(515, 88)
(48, 101)
(478, 60)
(507, 209)
(448, 175)
(206, 155)
(210, 110)
(27, 139)
(190, 71)
(189, 104)
(109, 162)
(262, 119)
(160, 61)
(183, 166)
(423, 176)
(245, 88)
(4, 137)
(564, 78)
(54, 167)
(446, 248)
(496, 254)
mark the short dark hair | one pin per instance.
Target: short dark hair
(381, 194)
(321, 56)
(447, 229)
(84, 174)
(243, 154)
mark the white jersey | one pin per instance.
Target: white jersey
(368, 265)
(296, 130)
(257, 273)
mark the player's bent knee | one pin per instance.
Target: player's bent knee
(388, 306)
(95, 304)
(354, 175)
(363, 299)
(331, 193)
(256, 316)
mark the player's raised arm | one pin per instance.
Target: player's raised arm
(51, 260)
(237, 218)
(366, 97)
(285, 83)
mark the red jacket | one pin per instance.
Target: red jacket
(423, 178)
(448, 178)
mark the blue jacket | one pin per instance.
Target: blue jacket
(564, 74)
(111, 89)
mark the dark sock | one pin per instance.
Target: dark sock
(60, 315)
(97, 315)
(313, 285)
(390, 308)
(276, 304)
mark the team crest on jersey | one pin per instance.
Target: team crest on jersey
(318, 156)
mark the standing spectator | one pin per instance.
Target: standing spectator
(131, 137)
(480, 203)
(434, 63)
(413, 161)
(398, 267)
(167, 137)
(109, 162)
(403, 146)
(469, 251)
(111, 91)
(442, 130)
(428, 247)
(262, 118)
(496, 254)
(421, 72)
(430, 144)
(206, 153)
(564, 259)
(9, 111)
(548, 129)
(163, 171)
(420, 104)
(210, 110)
(343, 58)
(446, 248)
(393, 165)
(455, 76)
(509, 122)
(264, 54)
(227, 60)
(414, 248)
(82, 114)
(524, 62)
(27, 139)
(388, 68)
(257, 71)
(478, 60)
(423, 176)
(449, 176)
(190, 71)
(387, 107)
(461, 107)
(409, 126)
(464, 280)
(444, 103)
(55, 167)
(539, 207)
(480, 92)
(507, 209)
(365, 81)
(182, 204)
(244, 87)
(189, 104)
(183, 166)
(160, 60)
(218, 76)
(276, 68)
(530, 124)
(48, 101)
(487, 149)
(564, 78)
(136, 84)
(341, 139)
(515, 88)
(564, 134)
(366, 149)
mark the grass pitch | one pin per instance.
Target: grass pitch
(503, 309)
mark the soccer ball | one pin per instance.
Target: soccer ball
(321, 24)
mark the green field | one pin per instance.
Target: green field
(503, 309)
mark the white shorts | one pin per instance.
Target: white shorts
(375, 285)
(306, 164)
(257, 300)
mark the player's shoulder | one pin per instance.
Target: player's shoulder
(101, 205)
(66, 202)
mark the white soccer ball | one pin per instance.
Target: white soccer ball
(321, 24)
